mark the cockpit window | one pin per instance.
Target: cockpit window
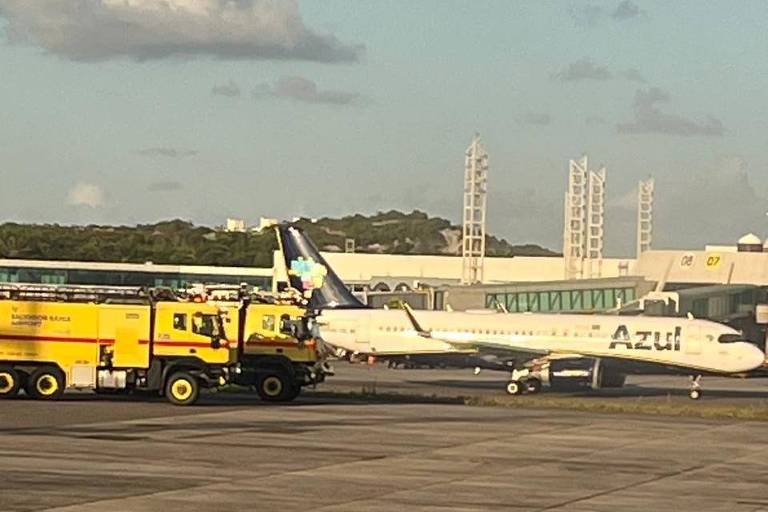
(729, 338)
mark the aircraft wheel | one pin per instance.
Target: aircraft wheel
(534, 386)
(10, 382)
(695, 394)
(515, 387)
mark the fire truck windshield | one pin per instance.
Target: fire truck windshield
(207, 325)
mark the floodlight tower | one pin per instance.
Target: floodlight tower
(575, 218)
(475, 191)
(645, 191)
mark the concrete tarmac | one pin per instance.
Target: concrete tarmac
(454, 383)
(234, 453)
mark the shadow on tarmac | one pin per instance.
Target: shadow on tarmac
(241, 399)
(628, 391)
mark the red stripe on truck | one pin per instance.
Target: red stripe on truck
(53, 339)
(104, 341)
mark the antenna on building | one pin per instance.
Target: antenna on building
(645, 191)
(473, 231)
(583, 237)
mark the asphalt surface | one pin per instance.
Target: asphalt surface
(233, 452)
(449, 383)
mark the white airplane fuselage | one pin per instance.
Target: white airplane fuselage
(676, 342)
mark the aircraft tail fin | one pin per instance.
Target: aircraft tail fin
(309, 273)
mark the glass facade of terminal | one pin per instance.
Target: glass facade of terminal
(123, 278)
(561, 300)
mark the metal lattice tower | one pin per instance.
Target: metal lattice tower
(595, 223)
(645, 191)
(475, 191)
(575, 214)
(583, 237)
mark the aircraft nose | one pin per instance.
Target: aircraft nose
(755, 356)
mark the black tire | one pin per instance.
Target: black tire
(46, 383)
(533, 386)
(515, 387)
(276, 386)
(11, 382)
(295, 392)
(182, 388)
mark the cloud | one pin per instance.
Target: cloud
(590, 16)
(97, 30)
(165, 186)
(166, 152)
(633, 75)
(650, 119)
(626, 201)
(86, 194)
(718, 200)
(586, 16)
(586, 69)
(229, 89)
(583, 69)
(626, 10)
(537, 118)
(302, 89)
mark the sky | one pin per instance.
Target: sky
(134, 111)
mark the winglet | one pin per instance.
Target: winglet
(412, 318)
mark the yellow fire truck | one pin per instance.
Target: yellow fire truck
(109, 339)
(272, 360)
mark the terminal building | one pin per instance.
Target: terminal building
(719, 281)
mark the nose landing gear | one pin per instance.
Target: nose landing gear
(695, 390)
(515, 387)
(518, 387)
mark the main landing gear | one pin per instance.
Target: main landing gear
(518, 387)
(695, 390)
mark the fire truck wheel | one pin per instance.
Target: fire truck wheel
(46, 383)
(182, 388)
(275, 386)
(10, 382)
(295, 392)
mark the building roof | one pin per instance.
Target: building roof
(136, 267)
(750, 239)
(704, 267)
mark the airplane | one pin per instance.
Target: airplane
(635, 344)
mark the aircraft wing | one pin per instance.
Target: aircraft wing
(516, 351)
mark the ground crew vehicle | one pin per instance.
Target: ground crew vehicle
(271, 359)
(109, 339)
